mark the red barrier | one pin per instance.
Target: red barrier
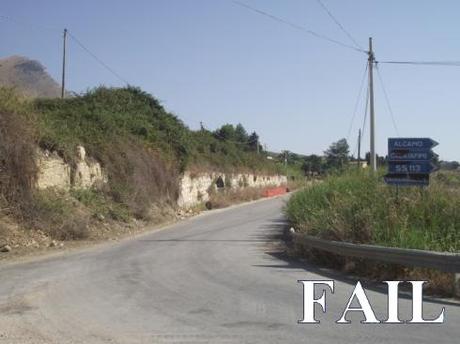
(271, 192)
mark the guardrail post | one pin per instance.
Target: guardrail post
(457, 285)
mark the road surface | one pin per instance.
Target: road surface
(215, 278)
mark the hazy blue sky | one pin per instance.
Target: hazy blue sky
(213, 61)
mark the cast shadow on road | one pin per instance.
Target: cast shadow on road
(278, 231)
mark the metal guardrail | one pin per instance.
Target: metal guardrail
(443, 261)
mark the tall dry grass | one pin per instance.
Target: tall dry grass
(360, 208)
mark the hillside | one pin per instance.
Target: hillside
(142, 148)
(145, 152)
(29, 77)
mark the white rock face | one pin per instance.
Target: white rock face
(54, 172)
(195, 189)
(87, 173)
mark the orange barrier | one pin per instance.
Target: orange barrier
(271, 192)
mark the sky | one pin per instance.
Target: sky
(215, 62)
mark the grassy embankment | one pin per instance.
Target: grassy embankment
(359, 208)
(142, 147)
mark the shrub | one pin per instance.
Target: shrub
(18, 170)
(56, 215)
(138, 178)
(101, 205)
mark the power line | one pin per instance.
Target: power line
(49, 28)
(355, 110)
(296, 26)
(363, 129)
(390, 110)
(102, 63)
(329, 13)
(426, 63)
(356, 146)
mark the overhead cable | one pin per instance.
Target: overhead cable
(102, 63)
(358, 100)
(297, 26)
(390, 110)
(341, 27)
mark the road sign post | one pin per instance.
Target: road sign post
(410, 161)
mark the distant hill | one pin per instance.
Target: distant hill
(28, 76)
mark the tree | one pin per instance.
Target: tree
(448, 165)
(312, 164)
(241, 135)
(284, 156)
(337, 154)
(226, 132)
(253, 141)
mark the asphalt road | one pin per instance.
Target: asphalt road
(216, 278)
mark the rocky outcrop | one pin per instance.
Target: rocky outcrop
(54, 172)
(28, 77)
(88, 172)
(196, 188)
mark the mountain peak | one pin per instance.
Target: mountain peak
(28, 76)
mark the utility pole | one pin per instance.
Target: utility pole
(359, 149)
(257, 143)
(63, 65)
(371, 105)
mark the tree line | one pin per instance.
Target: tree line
(238, 135)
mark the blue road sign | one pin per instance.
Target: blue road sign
(419, 144)
(405, 154)
(411, 167)
(407, 180)
(410, 161)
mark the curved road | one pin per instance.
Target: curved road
(215, 278)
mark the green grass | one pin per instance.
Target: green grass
(360, 208)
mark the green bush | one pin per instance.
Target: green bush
(106, 115)
(360, 208)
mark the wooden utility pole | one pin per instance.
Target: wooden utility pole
(371, 105)
(63, 65)
(359, 149)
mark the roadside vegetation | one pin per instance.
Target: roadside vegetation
(358, 207)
